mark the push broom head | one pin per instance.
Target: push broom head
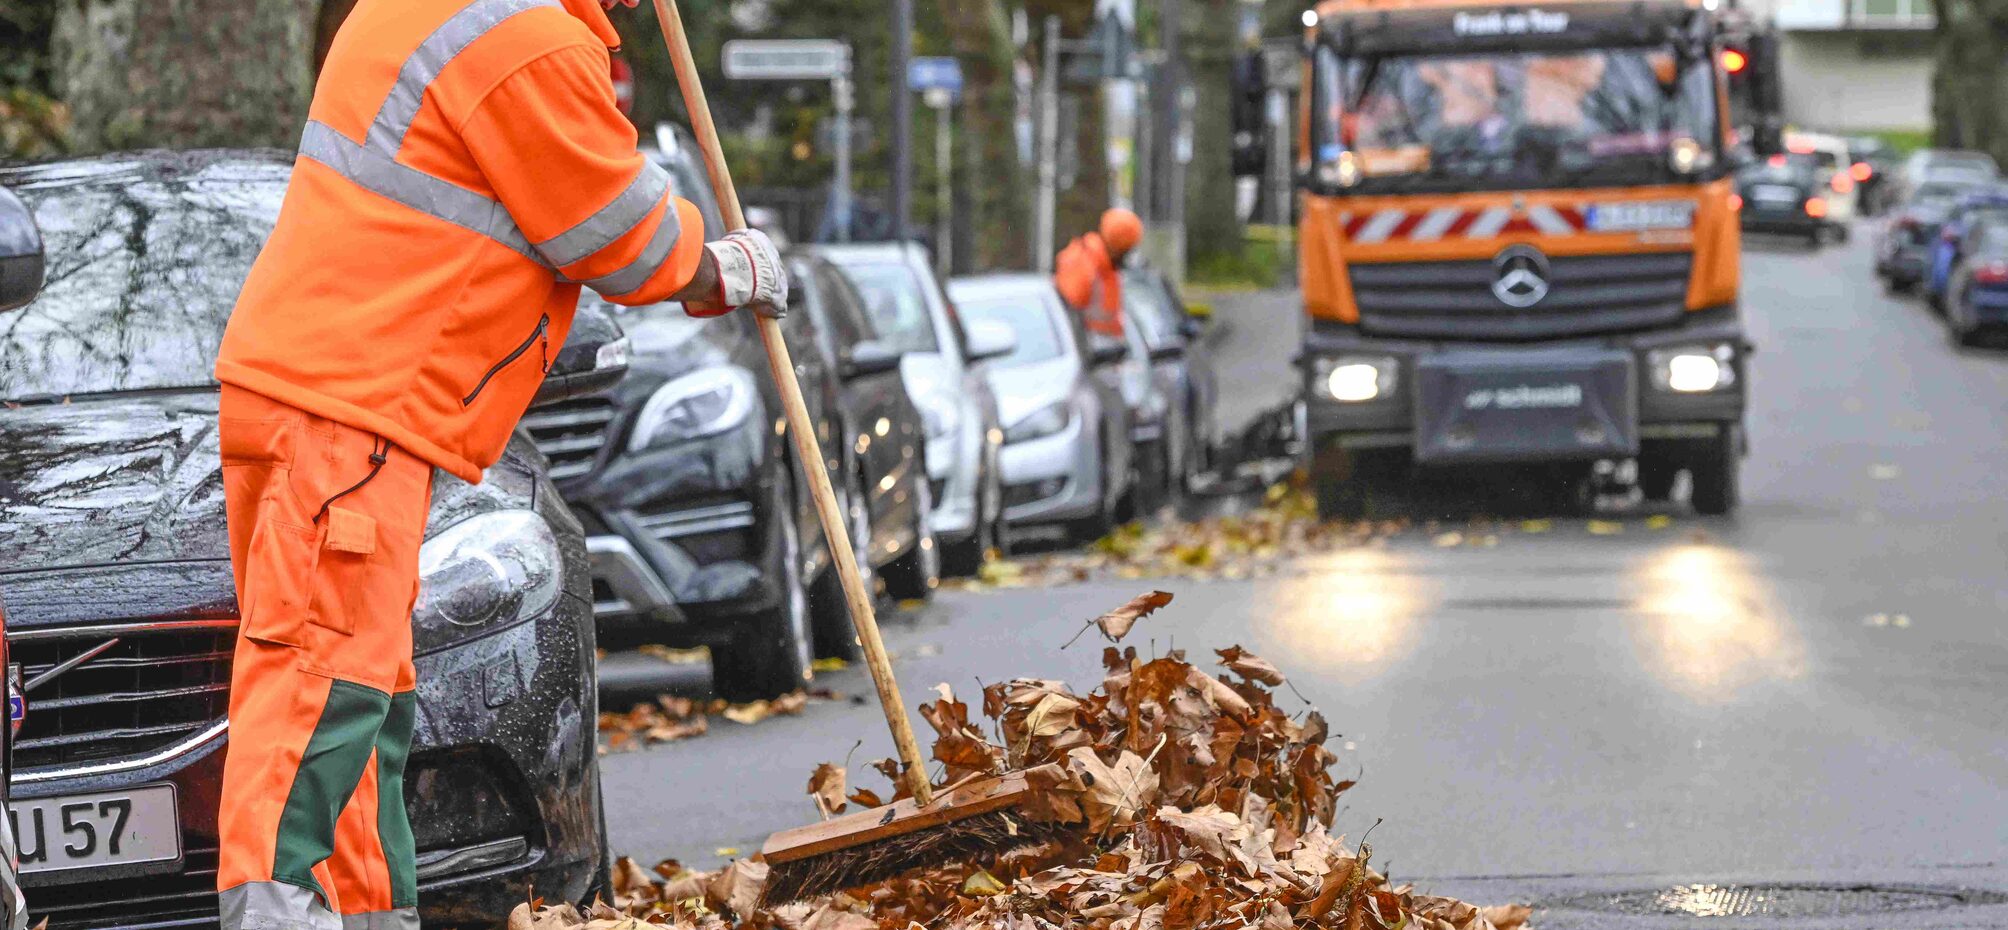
(981, 817)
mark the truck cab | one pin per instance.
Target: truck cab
(1519, 245)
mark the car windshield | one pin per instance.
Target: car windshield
(898, 305)
(142, 275)
(1144, 311)
(1599, 115)
(1030, 319)
(1943, 191)
(1992, 239)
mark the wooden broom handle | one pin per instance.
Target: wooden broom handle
(797, 411)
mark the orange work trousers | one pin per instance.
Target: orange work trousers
(325, 525)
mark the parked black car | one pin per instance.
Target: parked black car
(1976, 300)
(1787, 194)
(697, 517)
(1872, 164)
(889, 499)
(1182, 364)
(112, 538)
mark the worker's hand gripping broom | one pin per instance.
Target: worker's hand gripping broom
(851, 850)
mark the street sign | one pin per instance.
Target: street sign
(786, 59)
(935, 74)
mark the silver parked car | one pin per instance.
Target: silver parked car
(1182, 363)
(939, 361)
(1067, 457)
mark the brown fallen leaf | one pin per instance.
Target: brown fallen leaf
(826, 786)
(1116, 623)
(1250, 666)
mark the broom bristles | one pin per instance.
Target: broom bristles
(983, 835)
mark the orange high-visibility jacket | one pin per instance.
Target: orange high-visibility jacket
(463, 171)
(1088, 282)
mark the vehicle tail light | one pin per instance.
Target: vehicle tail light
(1816, 207)
(1841, 183)
(1862, 171)
(1991, 273)
(1735, 202)
(1777, 161)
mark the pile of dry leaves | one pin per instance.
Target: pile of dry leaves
(1192, 802)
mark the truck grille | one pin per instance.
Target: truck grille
(1587, 294)
(571, 433)
(153, 689)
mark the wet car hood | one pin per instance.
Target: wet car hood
(135, 479)
(665, 344)
(1022, 389)
(121, 480)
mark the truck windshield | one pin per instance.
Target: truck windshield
(1513, 119)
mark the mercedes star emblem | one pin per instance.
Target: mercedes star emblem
(1520, 276)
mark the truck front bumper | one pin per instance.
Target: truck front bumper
(1557, 400)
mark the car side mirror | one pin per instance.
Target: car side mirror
(990, 339)
(1105, 351)
(593, 359)
(1191, 327)
(868, 358)
(21, 265)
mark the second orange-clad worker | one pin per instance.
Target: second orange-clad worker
(463, 172)
(1088, 271)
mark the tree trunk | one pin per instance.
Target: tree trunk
(1970, 86)
(979, 32)
(185, 73)
(1211, 226)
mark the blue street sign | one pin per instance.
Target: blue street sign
(935, 74)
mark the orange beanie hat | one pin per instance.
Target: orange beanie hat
(1122, 230)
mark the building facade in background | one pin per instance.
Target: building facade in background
(1855, 65)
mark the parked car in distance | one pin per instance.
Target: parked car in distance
(1903, 247)
(1067, 460)
(939, 361)
(884, 474)
(1923, 164)
(697, 517)
(1835, 168)
(1184, 364)
(1977, 296)
(1788, 195)
(1947, 247)
(1872, 163)
(112, 486)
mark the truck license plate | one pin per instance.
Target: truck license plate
(1525, 405)
(80, 831)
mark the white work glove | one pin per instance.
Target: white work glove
(750, 273)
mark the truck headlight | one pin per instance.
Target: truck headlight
(703, 403)
(1693, 369)
(1354, 379)
(1045, 421)
(488, 570)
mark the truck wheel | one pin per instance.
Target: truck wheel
(1356, 484)
(914, 575)
(768, 654)
(1714, 472)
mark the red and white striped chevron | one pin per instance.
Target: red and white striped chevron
(1459, 223)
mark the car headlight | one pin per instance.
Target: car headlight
(941, 416)
(1693, 369)
(486, 571)
(702, 403)
(1354, 379)
(1043, 422)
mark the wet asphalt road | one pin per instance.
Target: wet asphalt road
(1810, 691)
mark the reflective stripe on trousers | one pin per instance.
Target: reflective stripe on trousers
(279, 906)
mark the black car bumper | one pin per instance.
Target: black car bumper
(1783, 222)
(681, 536)
(502, 788)
(1620, 404)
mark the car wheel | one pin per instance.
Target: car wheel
(914, 575)
(1896, 286)
(1715, 474)
(769, 652)
(964, 558)
(1103, 521)
(829, 610)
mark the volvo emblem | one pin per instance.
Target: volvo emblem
(1520, 276)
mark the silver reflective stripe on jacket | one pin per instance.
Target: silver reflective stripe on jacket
(404, 918)
(394, 118)
(612, 221)
(444, 200)
(638, 272)
(274, 906)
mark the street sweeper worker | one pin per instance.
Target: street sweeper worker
(1087, 271)
(463, 172)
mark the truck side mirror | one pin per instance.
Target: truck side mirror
(21, 267)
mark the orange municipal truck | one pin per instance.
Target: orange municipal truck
(1519, 245)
